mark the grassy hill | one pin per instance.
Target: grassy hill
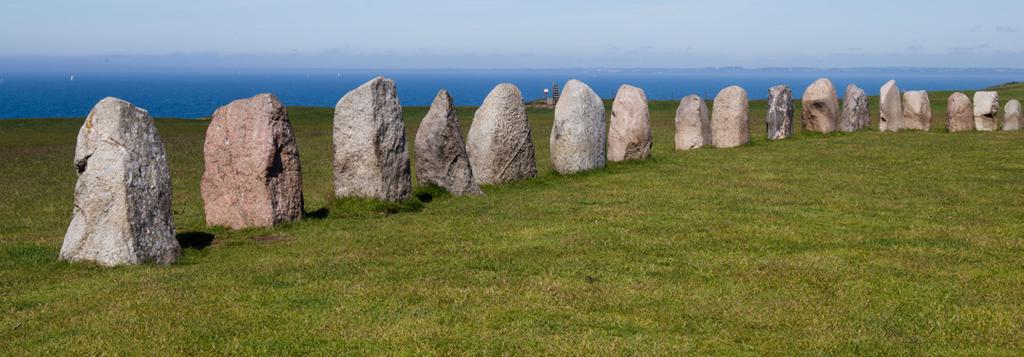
(860, 243)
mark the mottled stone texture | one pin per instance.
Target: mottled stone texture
(917, 111)
(693, 127)
(820, 107)
(986, 108)
(578, 136)
(629, 134)
(122, 213)
(441, 157)
(779, 122)
(959, 113)
(499, 144)
(856, 113)
(730, 118)
(1011, 115)
(890, 108)
(370, 157)
(252, 177)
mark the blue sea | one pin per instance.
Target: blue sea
(197, 94)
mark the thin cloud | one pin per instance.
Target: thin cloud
(1007, 29)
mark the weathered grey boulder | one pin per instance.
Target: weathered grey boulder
(730, 118)
(693, 127)
(1011, 115)
(441, 157)
(629, 134)
(986, 108)
(779, 122)
(890, 108)
(821, 107)
(959, 113)
(917, 110)
(499, 144)
(856, 114)
(578, 134)
(122, 213)
(370, 157)
(252, 176)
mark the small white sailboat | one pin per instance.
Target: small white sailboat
(72, 78)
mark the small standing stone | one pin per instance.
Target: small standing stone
(441, 157)
(821, 107)
(917, 110)
(730, 118)
(578, 134)
(693, 128)
(779, 122)
(856, 113)
(122, 213)
(1011, 115)
(959, 113)
(890, 108)
(370, 157)
(629, 134)
(986, 108)
(499, 144)
(252, 176)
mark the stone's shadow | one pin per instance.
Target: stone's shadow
(195, 240)
(425, 197)
(321, 213)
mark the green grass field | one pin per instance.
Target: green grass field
(860, 243)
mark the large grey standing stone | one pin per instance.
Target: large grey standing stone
(856, 114)
(986, 108)
(122, 213)
(730, 118)
(959, 113)
(441, 157)
(1011, 115)
(578, 134)
(890, 108)
(629, 134)
(821, 107)
(252, 176)
(917, 110)
(693, 127)
(779, 122)
(499, 144)
(370, 158)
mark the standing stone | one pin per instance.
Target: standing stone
(499, 144)
(779, 122)
(959, 113)
(370, 158)
(441, 157)
(890, 108)
(917, 110)
(578, 134)
(821, 107)
(629, 135)
(122, 213)
(693, 128)
(856, 115)
(986, 107)
(1011, 115)
(730, 118)
(253, 177)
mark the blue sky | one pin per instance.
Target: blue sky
(517, 34)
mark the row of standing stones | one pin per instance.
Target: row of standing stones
(252, 178)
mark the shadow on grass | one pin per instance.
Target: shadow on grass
(362, 207)
(195, 240)
(321, 213)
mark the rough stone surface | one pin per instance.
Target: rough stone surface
(959, 113)
(779, 122)
(370, 157)
(253, 177)
(578, 134)
(730, 118)
(821, 107)
(890, 108)
(441, 157)
(917, 111)
(856, 113)
(499, 144)
(693, 127)
(1011, 115)
(122, 213)
(986, 108)
(629, 134)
